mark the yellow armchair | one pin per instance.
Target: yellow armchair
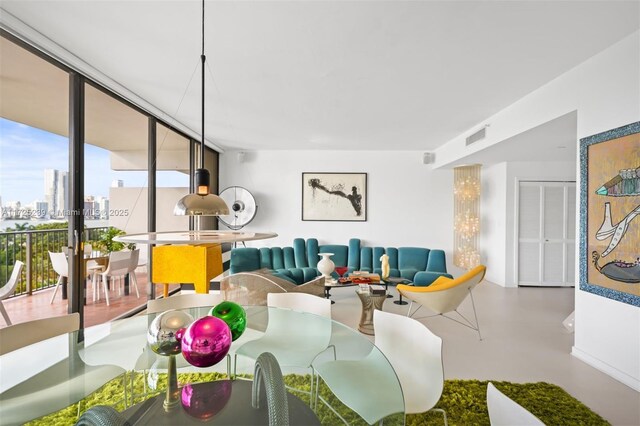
(446, 295)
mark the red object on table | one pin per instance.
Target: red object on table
(340, 270)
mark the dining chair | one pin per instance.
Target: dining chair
(66, 372)
(415, 355)
(9, 287)
(23, 334)
(61, 266)
(119, 265)
(183, 301)
(446, 295)
(503, 411)
(293, 344)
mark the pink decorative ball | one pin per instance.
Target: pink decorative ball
(205, 400)
(206, 341)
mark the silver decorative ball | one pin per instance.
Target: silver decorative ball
(162, 332)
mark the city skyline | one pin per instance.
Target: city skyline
(22, 172)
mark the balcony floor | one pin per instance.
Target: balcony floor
(27, 308)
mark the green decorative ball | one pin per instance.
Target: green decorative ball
(234, 315)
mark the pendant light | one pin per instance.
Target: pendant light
(202, 203)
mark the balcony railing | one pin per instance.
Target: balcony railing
(32, 247)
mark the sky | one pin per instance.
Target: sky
(26, 151)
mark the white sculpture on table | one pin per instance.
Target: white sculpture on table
(385, 266)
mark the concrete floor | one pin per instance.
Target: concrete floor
(523, 341)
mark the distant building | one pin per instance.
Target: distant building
(56, 192)
(103, 206)
(91, 208)
(40, 209)
(117, 183)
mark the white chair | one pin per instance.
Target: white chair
(183, 301)
(61, 266)
(119, 265)
(24, 334)
(295, 340)
(503, 411)
(415, 354)
(65, 373)
(9, 287)
(133, 264)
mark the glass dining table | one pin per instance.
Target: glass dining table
(114, 360)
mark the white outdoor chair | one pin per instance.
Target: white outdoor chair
(293, 344)
(133, 264)
(503, 411)
(8, 289)
(415, 354)
(61, 266)
(119, 265)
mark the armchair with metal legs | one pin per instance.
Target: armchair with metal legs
(446, 295)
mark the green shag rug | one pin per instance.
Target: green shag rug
(463, 400)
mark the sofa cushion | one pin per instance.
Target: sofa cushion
(244, 259)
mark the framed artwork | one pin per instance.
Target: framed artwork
(609, 210)
(334, 196)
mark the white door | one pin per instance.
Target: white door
(546, 234)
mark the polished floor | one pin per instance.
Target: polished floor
(523, 341)
(38, 305)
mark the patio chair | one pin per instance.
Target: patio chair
(8, 289)
(61, 266)
(119, 265)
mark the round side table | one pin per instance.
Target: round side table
(369, 303)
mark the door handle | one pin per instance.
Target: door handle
(76, 241)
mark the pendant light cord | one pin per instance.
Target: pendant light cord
(203, 59)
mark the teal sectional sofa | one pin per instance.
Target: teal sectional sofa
(299, 263)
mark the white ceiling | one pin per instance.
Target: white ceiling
(370, 75)
(554, 140)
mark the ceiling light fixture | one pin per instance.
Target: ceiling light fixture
(202, 203)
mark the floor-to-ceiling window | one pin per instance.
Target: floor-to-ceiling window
(34, 166)
(107, 159)
(115, 201)
(172, 178)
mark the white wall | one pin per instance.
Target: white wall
(605, 92)
(408, 203)
(493, 213)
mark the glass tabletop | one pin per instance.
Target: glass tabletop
(50, 375)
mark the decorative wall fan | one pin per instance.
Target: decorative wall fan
(242, 205)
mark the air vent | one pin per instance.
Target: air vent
(479, 135)
(429, 158)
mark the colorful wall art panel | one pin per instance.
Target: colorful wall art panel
(610, 214)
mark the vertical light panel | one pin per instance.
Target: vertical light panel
(466, 216)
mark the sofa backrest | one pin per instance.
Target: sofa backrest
(277, 258)
(244, 259)
(342, 255)
(300, 261)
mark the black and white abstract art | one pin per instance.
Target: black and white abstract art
(334, 196)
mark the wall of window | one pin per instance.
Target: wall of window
(97, 148)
